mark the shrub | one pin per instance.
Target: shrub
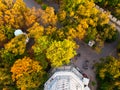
(44, 6)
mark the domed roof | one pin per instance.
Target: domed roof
(18, 32)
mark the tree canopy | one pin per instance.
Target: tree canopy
(108, 72)
(51, 43)
(27, 73)
(59, 53)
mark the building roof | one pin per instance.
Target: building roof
(67, 78)
(18, 32)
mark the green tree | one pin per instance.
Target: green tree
(108, 73)
(5, 78)
(108, 33)
(54, 53)
(39, 48)
(91, 34)
(110, 3)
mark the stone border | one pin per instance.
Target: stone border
(112, 18)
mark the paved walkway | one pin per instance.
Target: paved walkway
(87, 53)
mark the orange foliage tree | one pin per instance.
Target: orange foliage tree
(36, 31)
(16, 14)
(27, 73)
(48, 17)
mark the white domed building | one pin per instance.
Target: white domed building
(67, 78)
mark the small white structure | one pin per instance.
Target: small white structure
(19, 32)
(66, 78)
(91, 43)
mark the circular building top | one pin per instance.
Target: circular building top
(18, 32)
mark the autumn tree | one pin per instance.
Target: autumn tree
(60, 52)
(16, 14)
(52, 52)
(48, 17)
(81, 19)
(5, 78)
(17, 45)
(77, 17)
(7, 31)
(36, 31)
(83, 13)
(110, 3)
(27, 73)
(11, 12)
(39, 48)
(41, 44)
(108, 33)
(50, 30)
(14, 48)
(46, 23)
(91, 34)
(2, 38)
(108, 73)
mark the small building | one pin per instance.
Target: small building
(66, 78)
(91, 43)
(18, 32)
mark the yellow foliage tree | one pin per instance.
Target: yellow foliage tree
(17, 45)
(60, 53)
(76, 17)
(36, 31)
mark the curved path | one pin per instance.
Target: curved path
(86, 53)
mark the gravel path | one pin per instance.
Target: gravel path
(86, 53)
